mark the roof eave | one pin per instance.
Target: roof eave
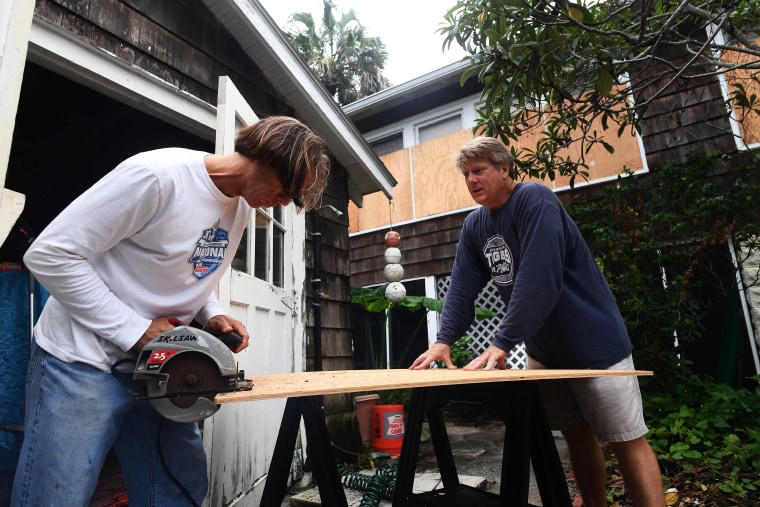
(422, 85)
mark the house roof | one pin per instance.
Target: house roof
(421, 94)
(266, 44)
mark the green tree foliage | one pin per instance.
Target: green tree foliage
(346, 60)
(566, 68)
(661, 241)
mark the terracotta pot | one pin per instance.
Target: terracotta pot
(364, 406)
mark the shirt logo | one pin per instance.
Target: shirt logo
(499, 259)
(209, 251)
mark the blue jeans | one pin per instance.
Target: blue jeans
(75, 414)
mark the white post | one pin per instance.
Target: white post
(15, 24)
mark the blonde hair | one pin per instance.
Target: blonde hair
(489, 148)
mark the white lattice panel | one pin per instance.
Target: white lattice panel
(481, 331)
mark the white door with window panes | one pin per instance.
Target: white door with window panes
(264, 290)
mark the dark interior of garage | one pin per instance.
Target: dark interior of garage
(67, 136)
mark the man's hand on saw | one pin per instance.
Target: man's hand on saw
(157, 328)
(436, 352)
(221, 324)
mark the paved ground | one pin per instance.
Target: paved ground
(477, 453)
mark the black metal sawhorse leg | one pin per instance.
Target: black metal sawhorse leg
(528, 439)
(325, 467)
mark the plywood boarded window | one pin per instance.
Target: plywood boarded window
(746, 120)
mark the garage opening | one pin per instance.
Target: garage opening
(67, 136)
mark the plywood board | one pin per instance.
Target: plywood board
(438, 185)
(748, 122)
(313, 383)
(377, 211)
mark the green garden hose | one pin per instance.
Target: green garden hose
(375, 487)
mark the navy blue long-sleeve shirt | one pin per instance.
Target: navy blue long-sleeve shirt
(558, 301)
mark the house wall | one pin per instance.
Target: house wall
(686, 116)
(16, 18)
(333, 291)
(429, 184)
(430, 201)
(427, 249)
(178, 41)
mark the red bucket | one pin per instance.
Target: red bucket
(388, 428)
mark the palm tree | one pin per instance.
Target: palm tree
(346, 60)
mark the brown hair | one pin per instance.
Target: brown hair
(298, 156)
(489, 148)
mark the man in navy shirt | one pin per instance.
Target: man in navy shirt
(560, 305)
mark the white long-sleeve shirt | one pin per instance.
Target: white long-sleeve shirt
(149, 240)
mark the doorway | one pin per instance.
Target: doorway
(67, 136)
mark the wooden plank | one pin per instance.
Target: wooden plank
(313, 383)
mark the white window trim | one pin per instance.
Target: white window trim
(408, 125)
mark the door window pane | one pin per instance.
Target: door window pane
(269, 245)
(240, 261)
(278, 254)
(261, 247)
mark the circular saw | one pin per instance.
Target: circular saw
(185, 368)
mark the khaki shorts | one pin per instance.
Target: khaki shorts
(611, 406)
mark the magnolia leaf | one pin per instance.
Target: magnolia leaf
(606, 80)
(579, 13)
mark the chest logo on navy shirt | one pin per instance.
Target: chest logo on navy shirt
(209, 251)
(499, 259)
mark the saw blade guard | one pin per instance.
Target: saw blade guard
(201, 409)
(184, 360)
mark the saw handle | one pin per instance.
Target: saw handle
(174, 321)
(231, 339)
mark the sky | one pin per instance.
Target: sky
(406, 27)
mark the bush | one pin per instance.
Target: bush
(706, 435)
